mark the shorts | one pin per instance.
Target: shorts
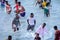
(31, 27)
(22, 14)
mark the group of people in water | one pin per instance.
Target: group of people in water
(20, 11)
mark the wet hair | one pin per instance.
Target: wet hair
(55, 27)
(44, 24)
(6, 2)
(19, 3)
(32, 15)
(9, 37)
(37, 34)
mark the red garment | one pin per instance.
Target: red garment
(17, 6)
(57, 35)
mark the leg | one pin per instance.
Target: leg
(28, 27)
(32, 27)
(17, 27)
(14, 29)
(9, 12)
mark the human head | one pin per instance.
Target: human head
(19, 3)
(37, 35)
(32, 15)
(44, 24)
(55, 28)
(6, 2)
(9, 37)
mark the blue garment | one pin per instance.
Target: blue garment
(2, 4)
(22, 14)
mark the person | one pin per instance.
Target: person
(38, 2)
(9, 37)
(44, 3)
(8, 7)
(3, 3)
(37, 37)
(48, 2)
(21, 10)
(16, 8)
(16, 23)
(57, 33)
(31, 22)
(46, 11)
(41, 30)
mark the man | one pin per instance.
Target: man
(16, 22)
(57, 33)
(31, 22)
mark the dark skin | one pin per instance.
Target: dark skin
(37, 37)
(17, 17)
(44, 24)
(31, 17)
(8, 5)
(22, 6)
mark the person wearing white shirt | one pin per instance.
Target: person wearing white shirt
(42, 30)
(31, 22)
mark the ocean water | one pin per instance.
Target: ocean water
(30, 7)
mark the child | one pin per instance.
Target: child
(21, 10)
(31, 22)
(16, 23)
(9, 37)
(46, 11)
(8, 7)
(37, 37)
